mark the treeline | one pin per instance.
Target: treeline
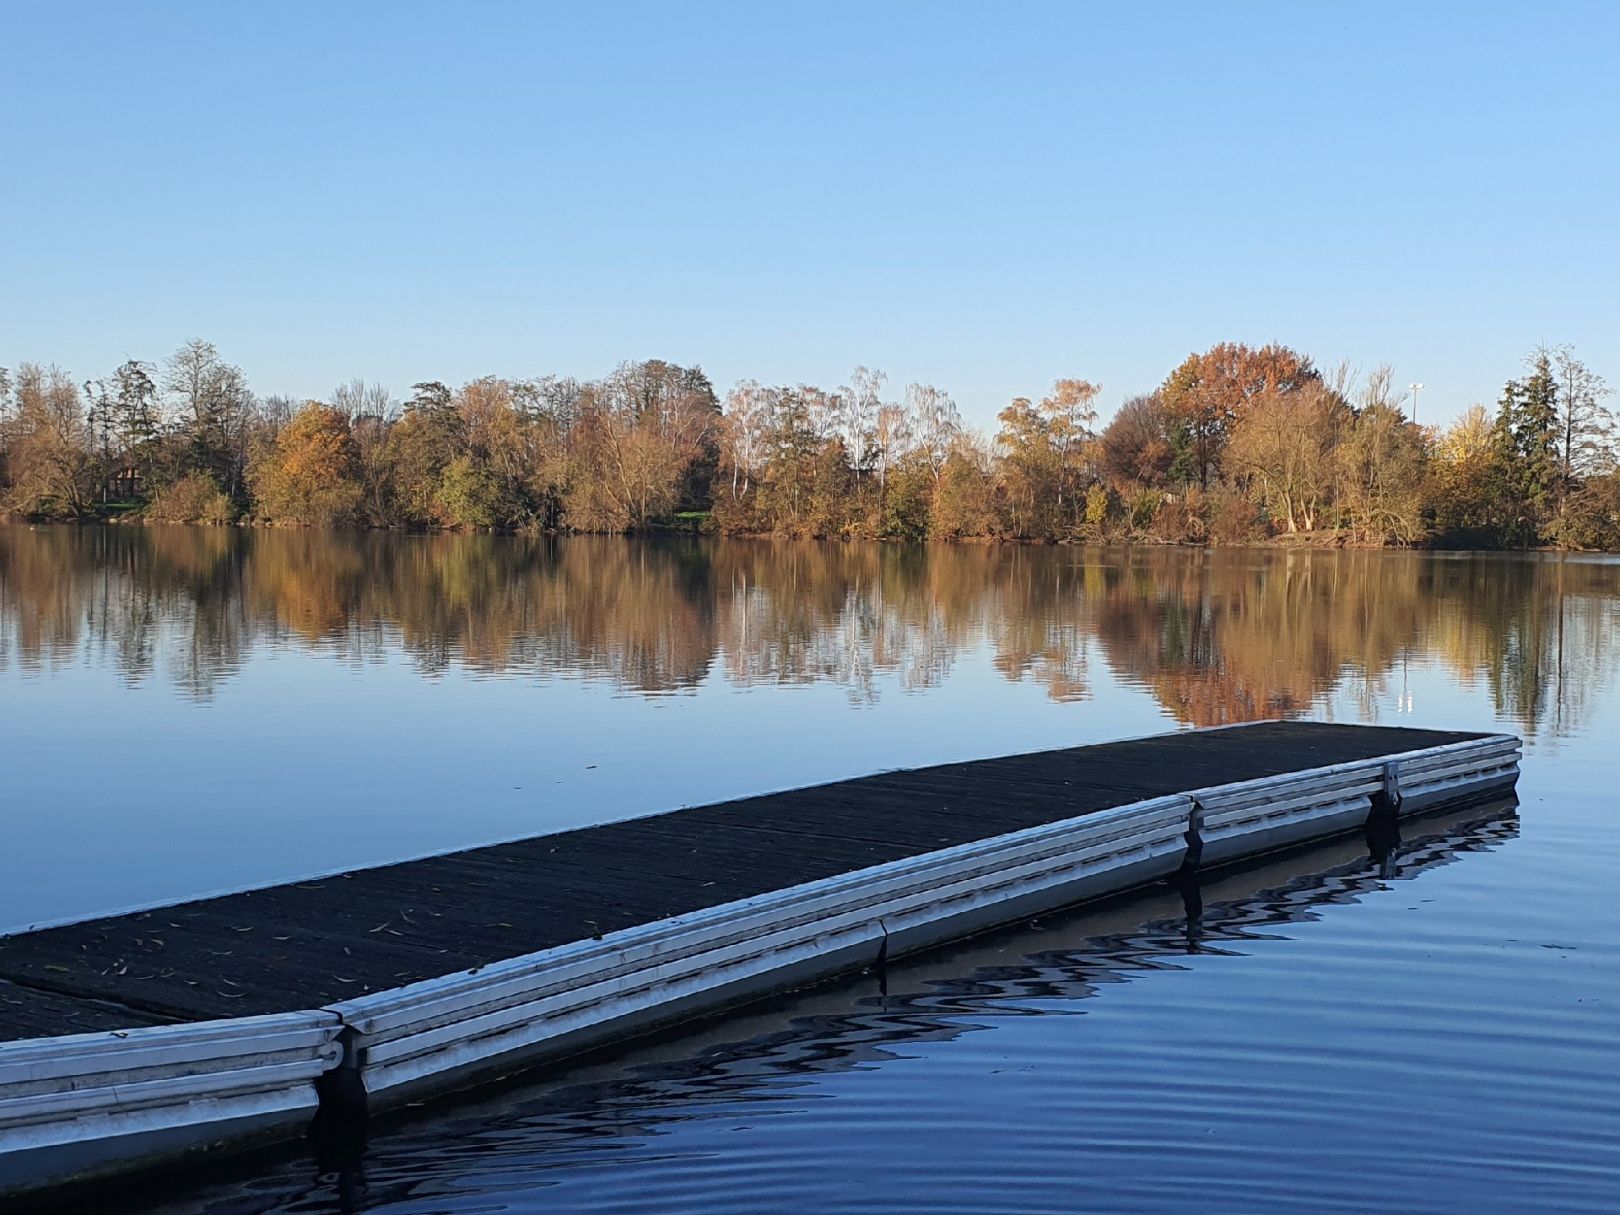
(1237, 445)
(190, 442)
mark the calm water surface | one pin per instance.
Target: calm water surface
(1434, 1028)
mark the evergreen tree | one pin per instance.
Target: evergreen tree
(1526, 443)
(124, 420)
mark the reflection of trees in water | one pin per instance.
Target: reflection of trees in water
(1220, 636)
(803, 612)
(1224, 637)
(1542, 634)
(520, 1137)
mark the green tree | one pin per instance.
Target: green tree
(126, 417)
(1099, 505)
(1526, 449)
(832, 491)
(428, 436)
(469, 494)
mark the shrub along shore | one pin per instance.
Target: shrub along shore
(1238, 445)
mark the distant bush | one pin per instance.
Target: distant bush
(1234, 519)
(194, 498)
(469, 494)
(1145, 508)
(1592, 520)
(1181, 519)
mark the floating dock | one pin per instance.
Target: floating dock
(137, 1040)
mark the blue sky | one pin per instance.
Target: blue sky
(984, 197)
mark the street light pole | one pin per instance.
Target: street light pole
(1416, 388)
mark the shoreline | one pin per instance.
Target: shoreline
(1312, 542)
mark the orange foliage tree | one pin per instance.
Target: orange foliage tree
(311, 472)
(1209, 392)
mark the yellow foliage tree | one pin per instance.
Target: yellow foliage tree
(311, 472)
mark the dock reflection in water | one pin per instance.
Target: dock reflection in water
(686, 1124)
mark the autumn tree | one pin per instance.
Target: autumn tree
(1208, 393)
(1029, 470)
(1070, 411)
(1592, 520)
(310, 473)
(193, 497)
(550, 406)
(745, 433)
(1138, 444)
(802, 421)
(5, 428)
(893, 434)
(675, 410)
(1261, 427)
(632, 441)
(1282, 444)
(492, 478)
(48, 446)
(1381, 461)
(371, 411)
(965, 504)
(1465, 486)
(906, 510)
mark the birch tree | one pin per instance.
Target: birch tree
(1071, 416)
(1586, 427)
(936, 423)
(862, 401)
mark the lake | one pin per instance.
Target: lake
(188, 711)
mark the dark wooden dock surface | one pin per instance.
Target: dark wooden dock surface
(308, 944)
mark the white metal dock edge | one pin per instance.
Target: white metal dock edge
(435, 1034)
(97, 1103)
(573, 996)
(87, 1104)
